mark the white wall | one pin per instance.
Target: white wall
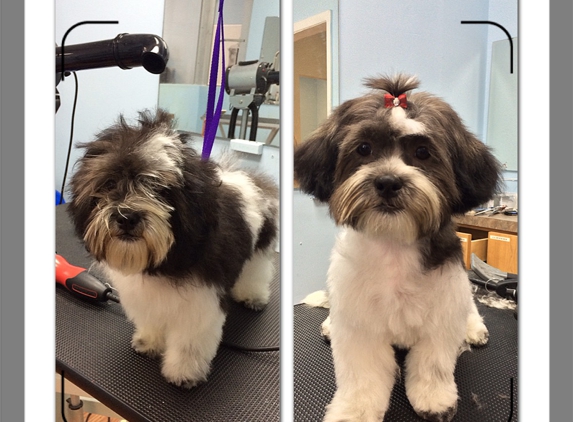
(103, 93)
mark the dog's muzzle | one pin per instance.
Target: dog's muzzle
(388, 186)
(128, 223)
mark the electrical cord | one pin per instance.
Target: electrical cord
(250, 349)
(71, 138)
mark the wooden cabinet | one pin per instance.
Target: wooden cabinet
(493, 239)
(471, 244)
(502, 251)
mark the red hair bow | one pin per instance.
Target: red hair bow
(391, 101)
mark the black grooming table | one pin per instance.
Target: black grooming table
(484, 375)
(93, 351)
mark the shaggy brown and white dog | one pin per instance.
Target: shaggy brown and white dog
(394, 167)
(176, 236)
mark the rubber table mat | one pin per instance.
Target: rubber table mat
(485, 376)
(93, 351)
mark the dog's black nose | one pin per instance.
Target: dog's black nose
(388, 186)
(127, 220)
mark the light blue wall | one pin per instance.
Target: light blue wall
(505, 13)
(313, 238)
(187, 102)
(261, 9)
(424, 38)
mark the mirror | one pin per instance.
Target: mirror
(503, 99)
(252, 34)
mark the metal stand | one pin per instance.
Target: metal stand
(245, 103)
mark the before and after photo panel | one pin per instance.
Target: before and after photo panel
(395, 130)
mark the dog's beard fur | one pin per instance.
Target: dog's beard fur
(130, 252)
(415, 212)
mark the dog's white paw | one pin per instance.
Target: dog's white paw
(148, 344)
(352, 411)
(433, 401)
(253, 296)
(318, 299)
(188, 371)
(255, 304)
(446, 416)
(476, 331)
(325, 329)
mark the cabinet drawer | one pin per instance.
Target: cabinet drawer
(502, 251)
(472, 243)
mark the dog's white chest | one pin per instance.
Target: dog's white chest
(380, 286)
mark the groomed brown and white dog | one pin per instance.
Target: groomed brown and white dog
(176, 235)
(394, 167)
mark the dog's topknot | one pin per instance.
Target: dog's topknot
(150, 120)
(147, 123)
(395, 85)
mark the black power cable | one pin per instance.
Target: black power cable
(249, 349)
(71, 139)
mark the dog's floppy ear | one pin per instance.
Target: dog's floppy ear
(314, 164)
(478, 173)
(315, 159)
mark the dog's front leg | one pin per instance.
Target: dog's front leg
(365, 369)
(429, 381)
(192, 339)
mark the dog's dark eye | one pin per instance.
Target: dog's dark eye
(364, 149)
(422, 153)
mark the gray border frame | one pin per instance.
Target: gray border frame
(11, 214)
(12, 217)
(561, 211)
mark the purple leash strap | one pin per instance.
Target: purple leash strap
(213, 115)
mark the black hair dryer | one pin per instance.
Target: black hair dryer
(125, 51)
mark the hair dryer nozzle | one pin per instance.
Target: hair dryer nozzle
(125, 51)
